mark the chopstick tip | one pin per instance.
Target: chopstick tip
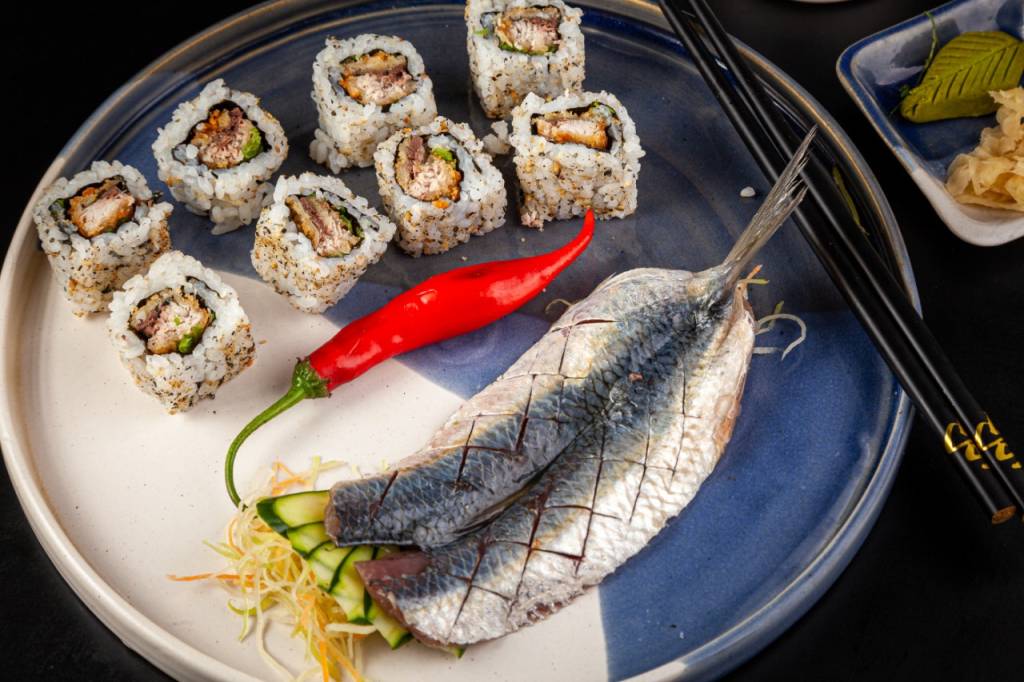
(1003, 515)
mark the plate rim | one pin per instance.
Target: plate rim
(725, 651)
(956, 216)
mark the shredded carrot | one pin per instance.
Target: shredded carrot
(351, 669)
(272, 584)
(202, 576)
(323, 661)
(281, 466)
(281, 486)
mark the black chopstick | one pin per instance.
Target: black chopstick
(964, 408)
(985, 461)
(959, 406)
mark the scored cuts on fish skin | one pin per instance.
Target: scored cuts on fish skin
(567, 465)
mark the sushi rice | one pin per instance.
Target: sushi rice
(90, 269)
(432, 227)
(181, 379)
(349, 131)
(286, 258)
(503, 76)
(230, 196)
(563, 180)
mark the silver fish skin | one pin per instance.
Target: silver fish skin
(669, 400)
(497, 441)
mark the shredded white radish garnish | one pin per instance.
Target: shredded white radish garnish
(766, 324)
(351, 628)
(269, 583)
(556, 301)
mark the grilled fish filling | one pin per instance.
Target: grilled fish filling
(329, 228)
(377, 77)
(530, 30)
(427, 174)
(171, 321)
(226, 138)
(97, 208)
(595, 126)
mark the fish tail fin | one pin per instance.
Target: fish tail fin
(783, 198)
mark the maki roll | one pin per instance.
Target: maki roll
(577, 151)
(217, 152)
(180, 331)
(316, 239)
(98, 229)
(521, 46)
(365, 88)
(439, 186)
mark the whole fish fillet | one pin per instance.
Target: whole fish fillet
(648, 423)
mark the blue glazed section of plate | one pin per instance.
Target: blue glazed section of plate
(779, 496)
(874, 69)
(788, 476)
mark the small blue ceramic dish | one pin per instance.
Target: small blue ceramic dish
(873, 69)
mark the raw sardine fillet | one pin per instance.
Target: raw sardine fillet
(655, 392)
(500, 439)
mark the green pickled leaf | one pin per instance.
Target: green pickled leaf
(957, 82)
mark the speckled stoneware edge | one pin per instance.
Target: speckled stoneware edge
(872, 70)
(169, 653)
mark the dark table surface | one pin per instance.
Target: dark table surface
(935, 593)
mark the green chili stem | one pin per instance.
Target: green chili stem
(306, 383)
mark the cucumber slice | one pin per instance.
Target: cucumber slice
(307, 538)
(291, 511)
(349, 589)
(326, 561)
(389, 628)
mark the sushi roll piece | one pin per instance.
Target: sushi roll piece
(575, 152)
(180, 331)
(98, 229)
(316, 239)
(217, 152)
(521, 46)
(439, 186)
(365, 88)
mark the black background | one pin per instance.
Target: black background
(935, 593)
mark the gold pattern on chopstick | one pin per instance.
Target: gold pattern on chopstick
(986, 437)
(967, 444)
(998, 446)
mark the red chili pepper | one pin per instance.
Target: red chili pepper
(443, 306)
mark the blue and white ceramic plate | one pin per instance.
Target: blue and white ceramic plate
(120, 494)
(872, 71)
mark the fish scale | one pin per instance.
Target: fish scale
(599, 501)
(497, 441)
(653, 365)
